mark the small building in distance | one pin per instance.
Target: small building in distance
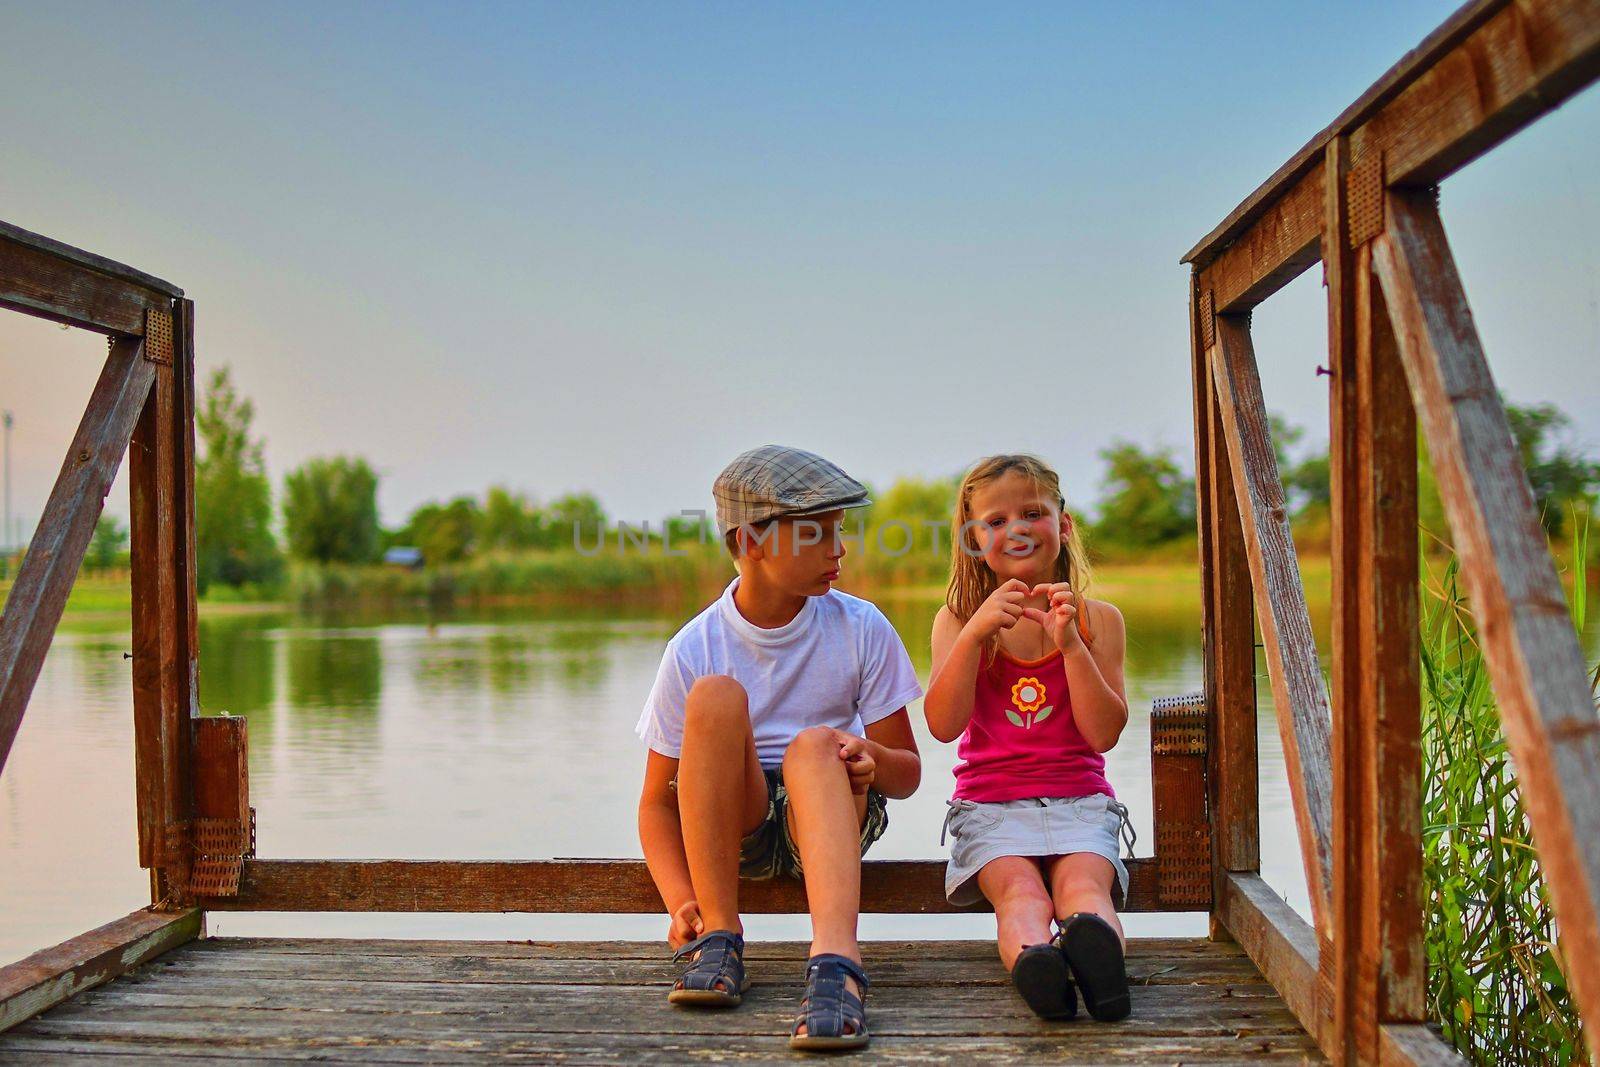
(403, 556)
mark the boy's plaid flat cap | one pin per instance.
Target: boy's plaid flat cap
(775, 480)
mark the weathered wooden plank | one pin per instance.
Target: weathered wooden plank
(1490, 70)
(1415, 1045)
(1444, 37)
(1071, 1044)
(769, 1008)
(45, 578)
(39, 276)
(1296, 675)
(51, 975)
(1535, 663)
(331, 972)
(1282, 945)
(575, 885)
(1138, 948)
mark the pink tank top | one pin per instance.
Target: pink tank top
(1022, 740)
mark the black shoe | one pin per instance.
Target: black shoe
(1040, 975)
(1093, 951)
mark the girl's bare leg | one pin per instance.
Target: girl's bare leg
(1022, 907)
(1082, 882)
(722, 794)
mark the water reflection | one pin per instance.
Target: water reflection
(491, 734)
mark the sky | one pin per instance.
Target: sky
(607, 246)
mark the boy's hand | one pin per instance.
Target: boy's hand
(1060, 617)
(686, 925)
(999, 612)
(857, 754)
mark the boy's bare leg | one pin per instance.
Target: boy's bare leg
(1082, 882)
(825, 820)
(1022, 907)
(722, 795)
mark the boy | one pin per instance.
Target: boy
(777, 726)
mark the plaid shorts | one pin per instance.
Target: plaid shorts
(768, 850)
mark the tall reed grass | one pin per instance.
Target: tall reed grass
(1496, 977)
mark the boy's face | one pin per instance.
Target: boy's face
(1021, 529)
(799, 554)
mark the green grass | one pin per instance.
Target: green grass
(1496, 978)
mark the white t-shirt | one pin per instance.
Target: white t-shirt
(838, 663)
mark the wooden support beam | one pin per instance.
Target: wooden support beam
(46, 278)
(1490, 70)
(51, 975)
(1233, 785)
(1296, 675)
(164, 662)
(1379, 965)
(914, 887)
(51, 565)
(1535, 663)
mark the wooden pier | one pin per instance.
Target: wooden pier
(1348, 984)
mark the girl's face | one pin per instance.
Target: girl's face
(1018, 528)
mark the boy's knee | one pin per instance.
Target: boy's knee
(715, 696)
(814, 742)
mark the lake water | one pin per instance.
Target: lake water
(485, 735)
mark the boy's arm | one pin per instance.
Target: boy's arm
(661, 834)
(893, 748)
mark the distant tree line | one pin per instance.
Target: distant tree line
(329, 505)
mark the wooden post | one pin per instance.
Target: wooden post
(1229, 631)
(1296, 675)
(164, 666)
(1535, 663)
(1377, 964)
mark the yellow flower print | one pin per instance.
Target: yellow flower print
(1027, 694)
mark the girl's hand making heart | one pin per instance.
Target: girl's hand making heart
(1060, 617)
(999, 612)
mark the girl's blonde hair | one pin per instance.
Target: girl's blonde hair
(971, 580)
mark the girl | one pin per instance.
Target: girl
(1034, 691)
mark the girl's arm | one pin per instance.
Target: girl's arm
(1099, 702)
(953, 679)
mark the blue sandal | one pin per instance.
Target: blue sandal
(715, 978)
(829, 1006)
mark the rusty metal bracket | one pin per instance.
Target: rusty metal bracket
(1178, 747)
(221, 847)
(1208, 319)
(158, 336)
(1364, 199)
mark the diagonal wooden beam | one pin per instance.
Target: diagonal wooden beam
(1297, 686)
(1535, 663)
(56, 551)
(43, 277)
(1491, 69)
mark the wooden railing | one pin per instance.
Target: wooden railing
(1361, 198)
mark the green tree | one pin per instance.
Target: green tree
(573, 519)
(1559, 475)
(110, 536)
(330, 510)
(446, 533)
(508, 521)
(1146, 498)
(233, 499)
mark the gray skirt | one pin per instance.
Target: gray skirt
(1034, 826)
